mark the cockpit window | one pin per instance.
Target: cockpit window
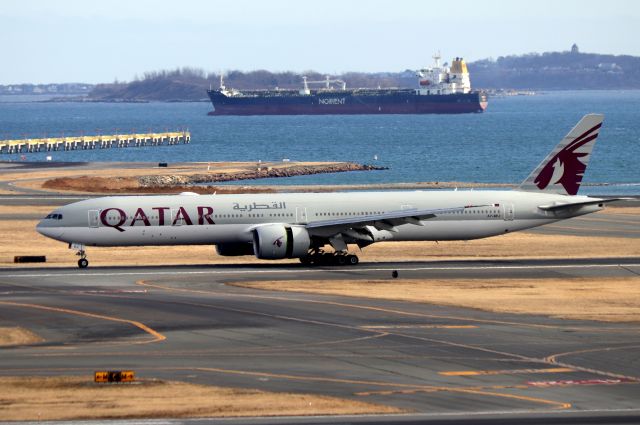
(54, 216)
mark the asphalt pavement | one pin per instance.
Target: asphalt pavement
(192, 324)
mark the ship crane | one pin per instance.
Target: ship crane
(327, 82)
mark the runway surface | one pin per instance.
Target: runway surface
(192, 324)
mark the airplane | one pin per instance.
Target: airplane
(301, 225)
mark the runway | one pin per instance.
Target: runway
(437, 362)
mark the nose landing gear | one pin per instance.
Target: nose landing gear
(83, 263)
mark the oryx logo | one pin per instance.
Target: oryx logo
(565, 167)
(278, 242)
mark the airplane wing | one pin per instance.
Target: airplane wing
(385, 221)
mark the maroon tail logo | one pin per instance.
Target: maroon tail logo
(565, 167)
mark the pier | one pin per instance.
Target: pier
(71, 143)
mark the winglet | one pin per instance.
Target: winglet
(562, 170)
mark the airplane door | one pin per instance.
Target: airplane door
(94, 218)
(508, 212)
(301, 215)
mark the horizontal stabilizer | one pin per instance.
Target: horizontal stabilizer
(560, 206)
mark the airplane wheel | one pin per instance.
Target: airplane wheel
(306, 260)
(341, 260)
(352, 260)
(323, 260)
(83, 263)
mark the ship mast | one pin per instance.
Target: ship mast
(436, 58)
(305, 90)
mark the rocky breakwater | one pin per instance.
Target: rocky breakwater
(191, 178)
(154, 181)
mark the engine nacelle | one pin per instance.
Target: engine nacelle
(234, 249)
(276, 241)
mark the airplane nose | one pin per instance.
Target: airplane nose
(46, 230)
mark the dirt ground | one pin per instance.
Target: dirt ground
(78, 397)
(135, 169)
(26, 209)
(610, 299)
(11, 336)
(112, 176)
(623, 210)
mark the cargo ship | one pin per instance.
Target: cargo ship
(440, 90)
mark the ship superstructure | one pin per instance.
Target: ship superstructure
(443, 80)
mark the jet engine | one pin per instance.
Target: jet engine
(276, 241)
(234, 249)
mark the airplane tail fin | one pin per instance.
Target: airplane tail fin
(562, 170)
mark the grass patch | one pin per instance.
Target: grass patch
(71, 398)
(10, 336)
(603, 299)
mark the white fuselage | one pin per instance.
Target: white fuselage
(191, 219)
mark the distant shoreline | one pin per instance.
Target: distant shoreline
(45, 98)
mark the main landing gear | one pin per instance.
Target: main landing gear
(321, 258)
(83, 263)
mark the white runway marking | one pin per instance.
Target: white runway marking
(309, 271)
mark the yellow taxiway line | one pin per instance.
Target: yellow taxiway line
(405, 387)
(505, 372)
(157, 335)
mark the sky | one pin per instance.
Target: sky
(44, 41)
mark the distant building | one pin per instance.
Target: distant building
(574, 49)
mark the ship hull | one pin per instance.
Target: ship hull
(347, 103)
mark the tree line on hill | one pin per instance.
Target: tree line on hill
(191, 84)
(570, 70)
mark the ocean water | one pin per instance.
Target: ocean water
(501, 145)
